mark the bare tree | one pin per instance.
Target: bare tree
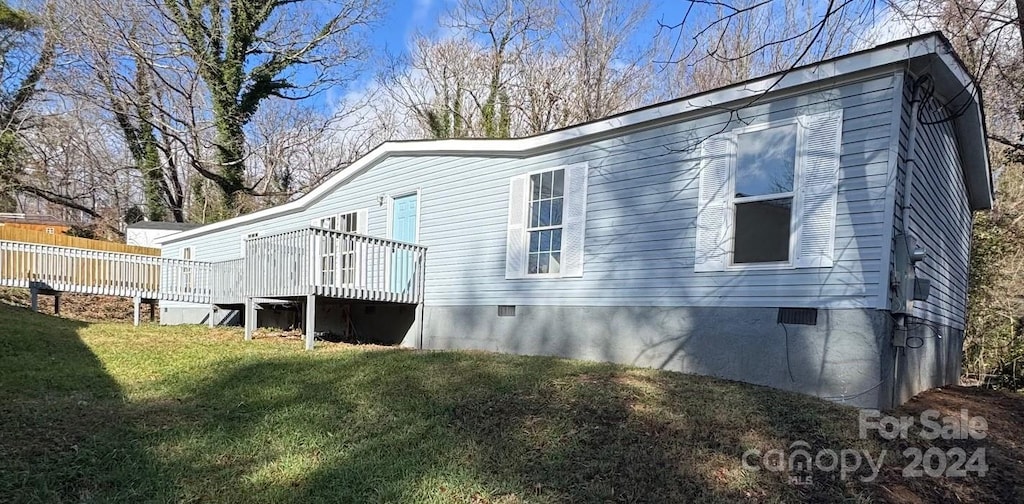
(610, 74)
(248, 51)
(27, 51)
(508, 68)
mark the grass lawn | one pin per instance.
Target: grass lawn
(110, 413)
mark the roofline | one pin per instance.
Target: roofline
(743, 93)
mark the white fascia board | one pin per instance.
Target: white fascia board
(970, 130)
(738, 95)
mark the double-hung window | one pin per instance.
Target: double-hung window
(337, 253)
(767, 195)
(545, 226)
(546, 223)
(764, 178)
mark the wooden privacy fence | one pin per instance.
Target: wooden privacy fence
(81, 271)
(11, 233)
(323, 262)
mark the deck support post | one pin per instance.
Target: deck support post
(310, 320)
(213, 312)
(56, 303)
(34, 294)
(136, 310)
(250, 318)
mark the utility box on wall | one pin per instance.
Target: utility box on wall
(906, 287)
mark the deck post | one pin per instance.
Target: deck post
(34, 294)
(56, 303)
(136, 308)
(250, 318)
(310, 320)
(213, 312)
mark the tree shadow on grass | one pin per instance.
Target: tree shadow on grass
(400, 426)
(64, 432)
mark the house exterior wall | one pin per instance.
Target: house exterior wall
(842, 358)
(940, 217)
(641, 207)
(639, 300)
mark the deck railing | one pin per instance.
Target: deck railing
(335, 264)
(227, 286)
(311, 261)
(83, 271)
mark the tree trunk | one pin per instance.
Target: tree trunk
(230, 153)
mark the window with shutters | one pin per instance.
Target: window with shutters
(763, 189)
(767, 195)
(545, 222)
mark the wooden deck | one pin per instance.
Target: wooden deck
(304, 264)
(322, 262)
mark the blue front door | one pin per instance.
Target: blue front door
(403, 229)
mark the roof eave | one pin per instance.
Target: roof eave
(954, 82)
(852, 64)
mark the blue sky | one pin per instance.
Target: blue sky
(403, 18)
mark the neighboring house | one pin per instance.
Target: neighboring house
(765, 232)
(146, 233)
(42, 223)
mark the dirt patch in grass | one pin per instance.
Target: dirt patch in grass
(78, 306)
(1003, 448)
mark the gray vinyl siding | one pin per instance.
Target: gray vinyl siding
(904, 142)
(642, 191)
(940, 218)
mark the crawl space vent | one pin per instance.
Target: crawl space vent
(506, 310)
(800, 316)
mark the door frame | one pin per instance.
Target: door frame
(390, 231)
(391, 212)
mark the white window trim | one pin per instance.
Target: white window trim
(794, 221)
(317, 222)
(336, 269)
(574, 208)
(526, 223)
(188, 278)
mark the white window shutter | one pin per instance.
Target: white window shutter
(362, 218)
(818, 186)
(515, 244)
(713, 242)
(359, 254)
(574, 220)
